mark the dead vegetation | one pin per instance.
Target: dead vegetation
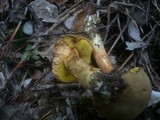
(29, 30)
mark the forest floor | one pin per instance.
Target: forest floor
(29, 29)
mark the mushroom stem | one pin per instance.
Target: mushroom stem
(99, 52)
(82, 71)
(92, 78)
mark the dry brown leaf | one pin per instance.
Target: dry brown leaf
(79, 25)
(45, 10)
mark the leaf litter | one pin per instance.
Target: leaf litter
(28, 89)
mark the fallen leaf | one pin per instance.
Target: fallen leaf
(155, 98)
(133, 31)
(28, 28)
(135, 45)
(70, 22)
(26, 83)
(45, 10)
(80, 21)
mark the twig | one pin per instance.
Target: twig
(115, 42)
(40, 35)
(155, 83)
(68, 10)
(147, 11)
(150, 16)
(61, 20)
(108, 23)
(153, 74)
(155, 3)
(127, 4)
(22, 81)
(108, 28)
(17, 67)
(119, 26)
(150, 33)
(6, 48)
(98, 5)
(59, 86)
(2, 80)
(46, 115)
(126, 61)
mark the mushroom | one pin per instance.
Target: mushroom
(62, 49)
(116, 96)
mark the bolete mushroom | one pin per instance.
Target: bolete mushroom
(62, 49)
(116, 96)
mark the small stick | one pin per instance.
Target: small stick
(108, 22)
(119, 26)
(68, 10)
(61, 20)
(119, 36)
(126, 61)
(17, 67)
